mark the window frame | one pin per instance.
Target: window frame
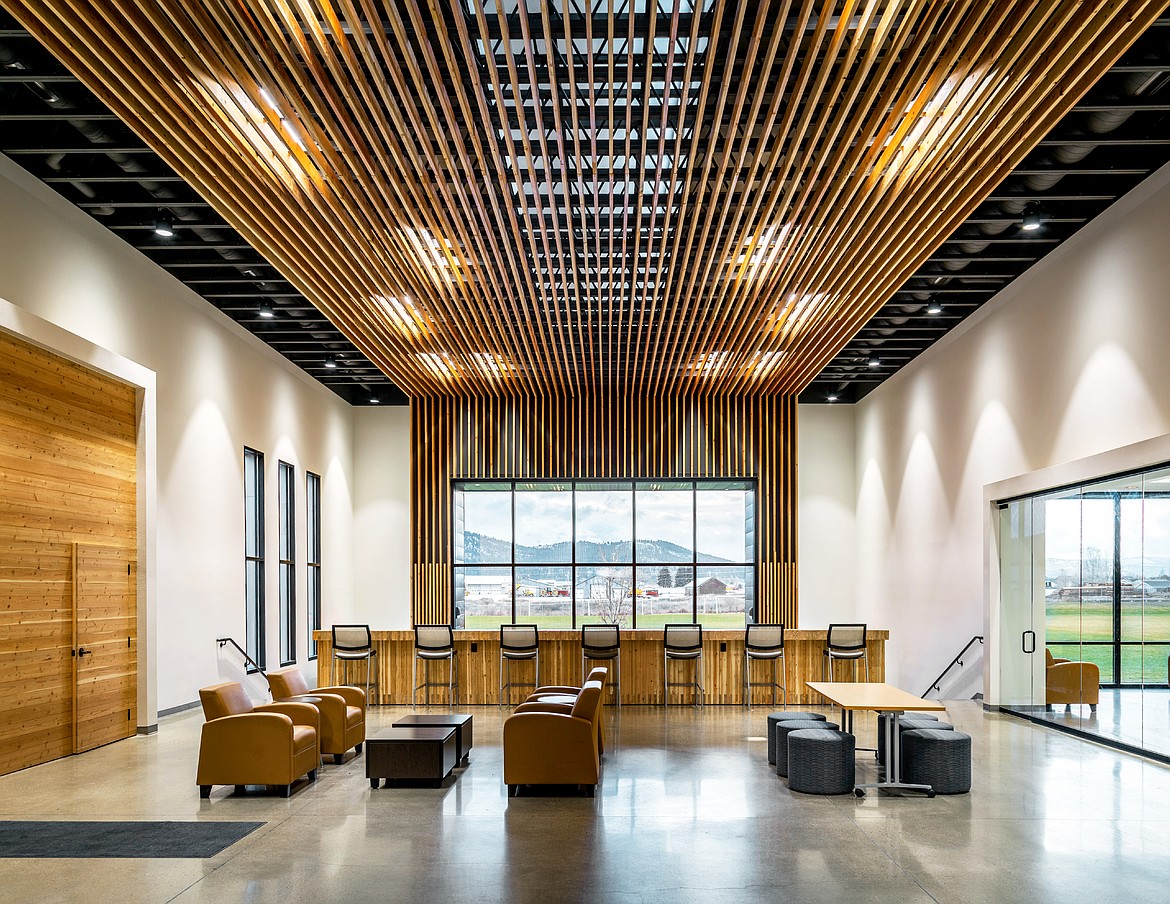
(254, 640)
(287, 561)
(313, 558)
(751, 567)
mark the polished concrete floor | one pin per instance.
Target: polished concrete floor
(688, 810)
(1139, 717)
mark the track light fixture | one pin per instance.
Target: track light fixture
(874, 361)
(266, 311)
(331, 362)
(934, 306)
(164, 227)
(374, 400)
(1033, 219)
(832, 397)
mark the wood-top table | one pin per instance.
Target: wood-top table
(883, 698)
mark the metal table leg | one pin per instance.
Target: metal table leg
(892, 779)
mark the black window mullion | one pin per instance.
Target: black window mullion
(633, 555)
(695, 550)
(512, 546)
(573, 550)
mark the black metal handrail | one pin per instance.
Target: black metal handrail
(252, 662)
(958, 660)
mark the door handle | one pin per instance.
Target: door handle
(82, 651)
(1024, 641)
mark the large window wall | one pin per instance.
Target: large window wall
(560, 554)
(1085, 574)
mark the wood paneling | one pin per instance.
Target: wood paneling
(603, 436)
(68, 465)
(571, 197)
(560, 663)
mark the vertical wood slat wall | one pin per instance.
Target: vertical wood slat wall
(603, 436)
(68, 470)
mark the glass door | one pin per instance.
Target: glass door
(1084, 614)
(1021, 616)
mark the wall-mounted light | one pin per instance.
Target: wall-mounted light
(266, 311)
(934, 307)
(164, 227)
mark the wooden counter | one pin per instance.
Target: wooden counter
(560, 663)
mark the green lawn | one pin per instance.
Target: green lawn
(1069, 622)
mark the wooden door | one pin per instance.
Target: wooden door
(36, 653)
(105, 642)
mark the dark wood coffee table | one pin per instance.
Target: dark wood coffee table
(459, 721)
(404, 752)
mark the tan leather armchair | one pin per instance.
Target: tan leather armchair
(560, 699)
(542, 747)
(1071, 682)
(598, 673)
(242, 744)
(343, 710)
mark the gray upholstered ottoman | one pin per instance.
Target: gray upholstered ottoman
(905, 724)
(785, 717)
(821, 761)
(939, 758)
(781, 731)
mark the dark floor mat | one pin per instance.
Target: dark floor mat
(119, 839)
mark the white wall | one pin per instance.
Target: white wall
(1069, 361)
(381, 518)
(218, 389)
(826, 530)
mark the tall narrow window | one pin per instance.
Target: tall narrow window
(254, 555)
(288, 575)
(313, 553)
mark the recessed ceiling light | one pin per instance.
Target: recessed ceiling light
(874, 361)
(266, 311)
(832, 396)
(1032, 218)
(164, 227)
(373, 400)
(934, 307)
(331, 362)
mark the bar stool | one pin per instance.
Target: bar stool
(518, 643)
(682, 642)
(433, 643)
(603, 642)
(764, 642)
(844, 642)
(353, 643)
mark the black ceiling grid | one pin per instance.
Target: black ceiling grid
(1114, 138)
(55, 128)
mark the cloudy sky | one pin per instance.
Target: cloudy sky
(1074, 526)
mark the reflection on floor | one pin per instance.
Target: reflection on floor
(1133, 716)
(688, 810)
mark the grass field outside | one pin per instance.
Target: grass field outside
(1070, 624)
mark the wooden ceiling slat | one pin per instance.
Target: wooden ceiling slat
(702, 202)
